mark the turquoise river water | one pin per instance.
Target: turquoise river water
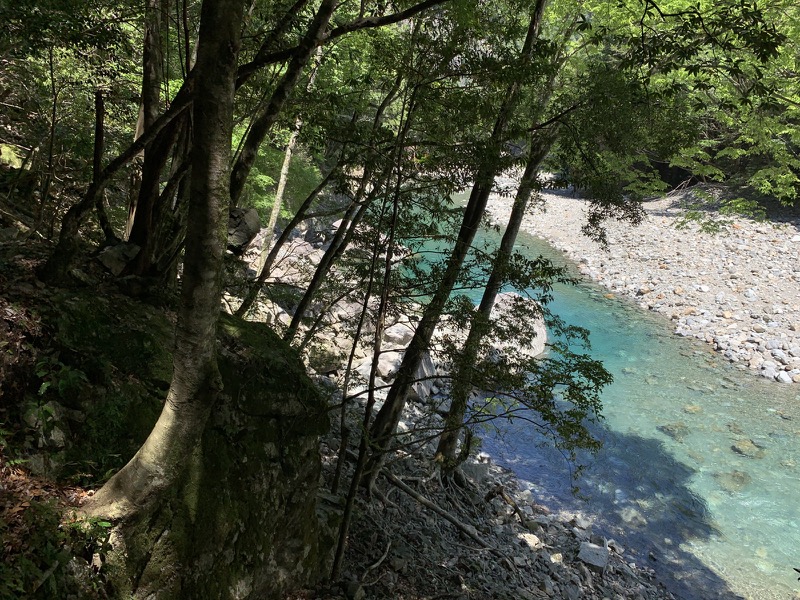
(668, 485)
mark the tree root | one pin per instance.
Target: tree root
(499, 491)
(439, 511)
(377, 564)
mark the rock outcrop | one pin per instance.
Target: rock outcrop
(245, 521)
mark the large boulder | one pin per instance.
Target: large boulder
(243, 225)
(509, 309)
(399, 334)
(510, 306)
(245, 521)
(116, 258)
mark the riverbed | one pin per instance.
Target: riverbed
(698, 477)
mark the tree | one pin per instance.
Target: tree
(195, 382)
(388, 417)
(445, 95)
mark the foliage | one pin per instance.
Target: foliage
(405, 115)
(48, 551)
(63, 379)
(259, 193)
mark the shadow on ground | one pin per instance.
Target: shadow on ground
(637, 494)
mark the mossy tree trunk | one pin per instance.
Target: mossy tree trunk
(195, 382)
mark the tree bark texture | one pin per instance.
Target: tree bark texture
(195, 382)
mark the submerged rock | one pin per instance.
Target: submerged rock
(748, 448)
(677, 431)
(734, 481)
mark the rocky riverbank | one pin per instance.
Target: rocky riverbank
(418, 537)
(487, 538)
(736, 288)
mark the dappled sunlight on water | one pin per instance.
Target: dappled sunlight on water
(699, 477)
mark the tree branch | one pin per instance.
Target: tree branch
(263, 59)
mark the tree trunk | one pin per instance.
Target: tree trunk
(97, 164)
(263, 124)
(407, 113)
(143, 230)
(57, 266)
(195, 382)
(389, 415)
(152, 76)
(479, 327)
(152, 61)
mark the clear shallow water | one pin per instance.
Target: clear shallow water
(668, 483)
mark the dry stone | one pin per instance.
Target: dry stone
(594, 556)
(532, 541)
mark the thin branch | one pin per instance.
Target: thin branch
(263, 59)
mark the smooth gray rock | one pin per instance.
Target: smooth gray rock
(595, 557)
(116, 258)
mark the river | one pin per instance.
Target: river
(699, 474)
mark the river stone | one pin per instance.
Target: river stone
(510, 303)
(734, 481)
(594, 556)
(677, 431)
(748, 448)
(734, 427)
(532, 541)
(388, 364)
(425, 376)
(477, 472)
(783, 377)
(399, 333)
(354, 591)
